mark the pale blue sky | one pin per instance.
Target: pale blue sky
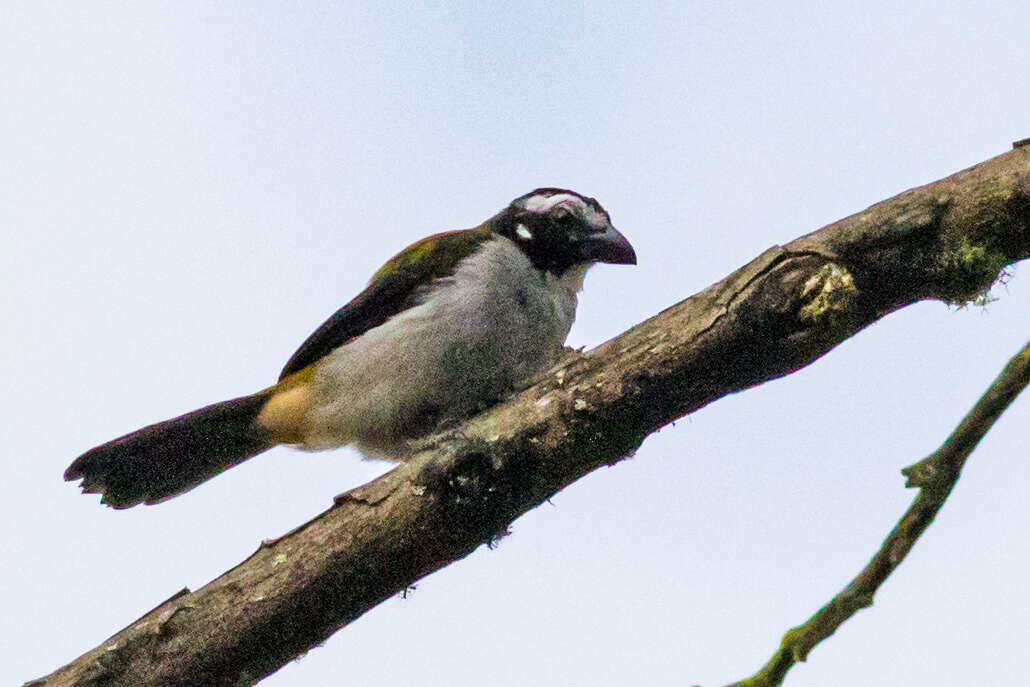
(189, 190)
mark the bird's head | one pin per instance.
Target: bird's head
(558, 229)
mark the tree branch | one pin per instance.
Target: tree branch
(948, 240)
(935, 476)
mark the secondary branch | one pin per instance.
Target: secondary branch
(948, 240)
(935, 476)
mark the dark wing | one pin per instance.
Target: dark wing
(392, 289)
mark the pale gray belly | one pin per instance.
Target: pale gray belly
(441, 361)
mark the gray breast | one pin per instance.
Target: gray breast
(475, 336)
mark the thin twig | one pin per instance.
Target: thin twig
(785, 309)
(935, 476)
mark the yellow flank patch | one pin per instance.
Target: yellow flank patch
(284, 412)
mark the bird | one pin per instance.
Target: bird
(449, 326)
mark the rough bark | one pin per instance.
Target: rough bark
(948, 240)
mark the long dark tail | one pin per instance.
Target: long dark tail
(166, 459)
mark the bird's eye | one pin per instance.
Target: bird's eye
(563, 217)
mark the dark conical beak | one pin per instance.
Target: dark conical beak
(608, 246)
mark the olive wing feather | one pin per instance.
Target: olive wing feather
(392, 289)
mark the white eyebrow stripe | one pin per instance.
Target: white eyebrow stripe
(542, 203)
(596, 218)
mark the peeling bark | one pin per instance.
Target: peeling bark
(948, 240)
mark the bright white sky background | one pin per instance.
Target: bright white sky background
(188, 189)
